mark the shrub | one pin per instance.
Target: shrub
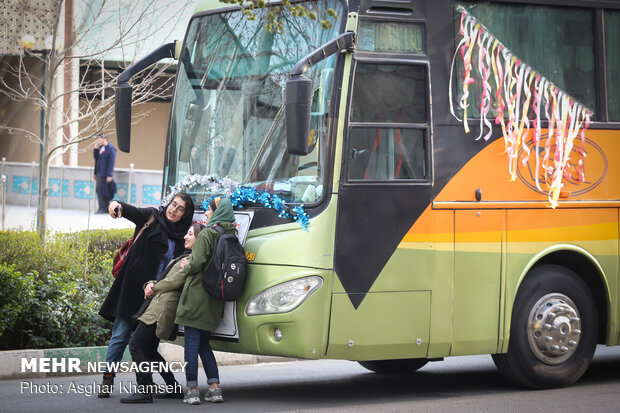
(16, 293)
(50, 296)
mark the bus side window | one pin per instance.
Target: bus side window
(612, 36)
(556, 41)
(394, 95)
(386, 153)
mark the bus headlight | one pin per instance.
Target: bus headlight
(284, 297)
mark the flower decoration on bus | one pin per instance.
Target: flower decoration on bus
(244, 195)
(514, 90)
(206, 183)
(239, 196)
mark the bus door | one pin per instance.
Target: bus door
(378, 310)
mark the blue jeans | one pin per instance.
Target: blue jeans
(121, 333)
(197, 343)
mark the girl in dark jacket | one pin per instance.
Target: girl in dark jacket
(159, 243)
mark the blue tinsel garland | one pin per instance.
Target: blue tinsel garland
(244, 195)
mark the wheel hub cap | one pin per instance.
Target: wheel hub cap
(554, 328)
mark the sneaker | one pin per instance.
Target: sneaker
(192, 397)
(106, 386)
(214, 395)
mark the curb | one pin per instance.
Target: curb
(11, 361)
(174, 352)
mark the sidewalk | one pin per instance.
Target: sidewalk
(68, 220)
(60, 220)
(11, 361)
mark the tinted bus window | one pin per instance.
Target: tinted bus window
(389, 93)
(612, 37)
(386, 154)
(391, 37)
(394, 94)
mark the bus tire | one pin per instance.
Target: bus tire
(553, 332)
(403, 366)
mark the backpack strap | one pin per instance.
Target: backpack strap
(145, 226)
(219, 229)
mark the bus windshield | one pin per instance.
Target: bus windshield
(227, 116)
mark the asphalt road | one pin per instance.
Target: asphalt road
(458, 384)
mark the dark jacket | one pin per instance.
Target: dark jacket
(104, 163)
(197, 308)
(141, 263)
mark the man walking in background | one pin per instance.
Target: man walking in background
(105, 157)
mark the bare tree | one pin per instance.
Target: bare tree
(80, 37)
(275, 21)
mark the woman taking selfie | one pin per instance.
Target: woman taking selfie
(158, 239)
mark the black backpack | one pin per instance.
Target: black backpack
(225, 277)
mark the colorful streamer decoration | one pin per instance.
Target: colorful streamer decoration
(517, 91)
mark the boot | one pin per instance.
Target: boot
(176, 393)
(138, 398)
(106, 386)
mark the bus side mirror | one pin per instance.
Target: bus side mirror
(122, 111)
(122, 96)
(298, 105)
(299, 94)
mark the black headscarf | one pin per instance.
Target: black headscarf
(176, 230)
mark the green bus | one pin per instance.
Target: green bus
(455, 161)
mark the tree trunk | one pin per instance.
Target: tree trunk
(44, 165)
(44, 184)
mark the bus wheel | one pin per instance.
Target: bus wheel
(404, 366)
(553, 332)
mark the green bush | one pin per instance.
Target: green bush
(50, 295)
(16, 292)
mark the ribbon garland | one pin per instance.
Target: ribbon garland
(244, 195)
(240, 196)
(210, 184)
(519, 89)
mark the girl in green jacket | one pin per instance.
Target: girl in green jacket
(198, 311)
(157, 322)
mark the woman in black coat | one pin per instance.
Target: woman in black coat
(159, 243)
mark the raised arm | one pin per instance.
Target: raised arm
(136, 215)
